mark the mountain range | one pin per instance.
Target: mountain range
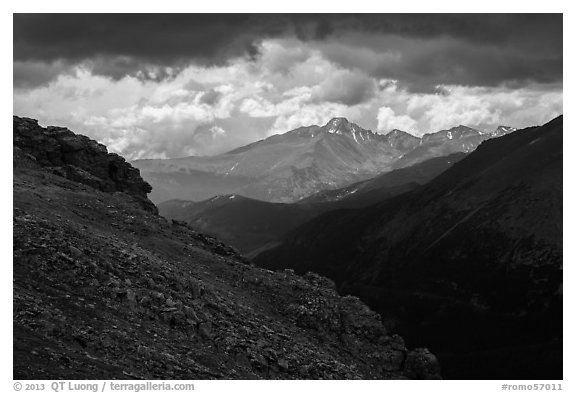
(470, 262)
(296, 164)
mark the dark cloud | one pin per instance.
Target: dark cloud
(116, 45)
(346, 88)
(485, 49)
(422, 64)
(30, 74)
(157, 38)
(118, 67)
(166, 37)
(211, 97)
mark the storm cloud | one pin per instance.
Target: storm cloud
(467, 49)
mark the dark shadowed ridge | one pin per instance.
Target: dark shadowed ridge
(471, 263)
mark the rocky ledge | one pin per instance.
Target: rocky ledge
(78, 158)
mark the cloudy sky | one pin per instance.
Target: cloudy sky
(153, 86)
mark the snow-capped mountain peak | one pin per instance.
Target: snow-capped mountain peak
(503, 130)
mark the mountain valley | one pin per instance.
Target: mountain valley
(251, 225)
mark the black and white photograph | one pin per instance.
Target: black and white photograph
(287, 196)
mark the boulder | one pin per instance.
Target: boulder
(422, 364)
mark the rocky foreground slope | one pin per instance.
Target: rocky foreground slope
(106, 289)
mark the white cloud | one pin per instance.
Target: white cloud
(388, 120)
(482, 105)
(209, 110)
(217, 132)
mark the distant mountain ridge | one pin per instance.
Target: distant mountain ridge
(442, 143)
(378, 188)
(291, 166)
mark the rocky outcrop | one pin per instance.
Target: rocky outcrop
(79, 158)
